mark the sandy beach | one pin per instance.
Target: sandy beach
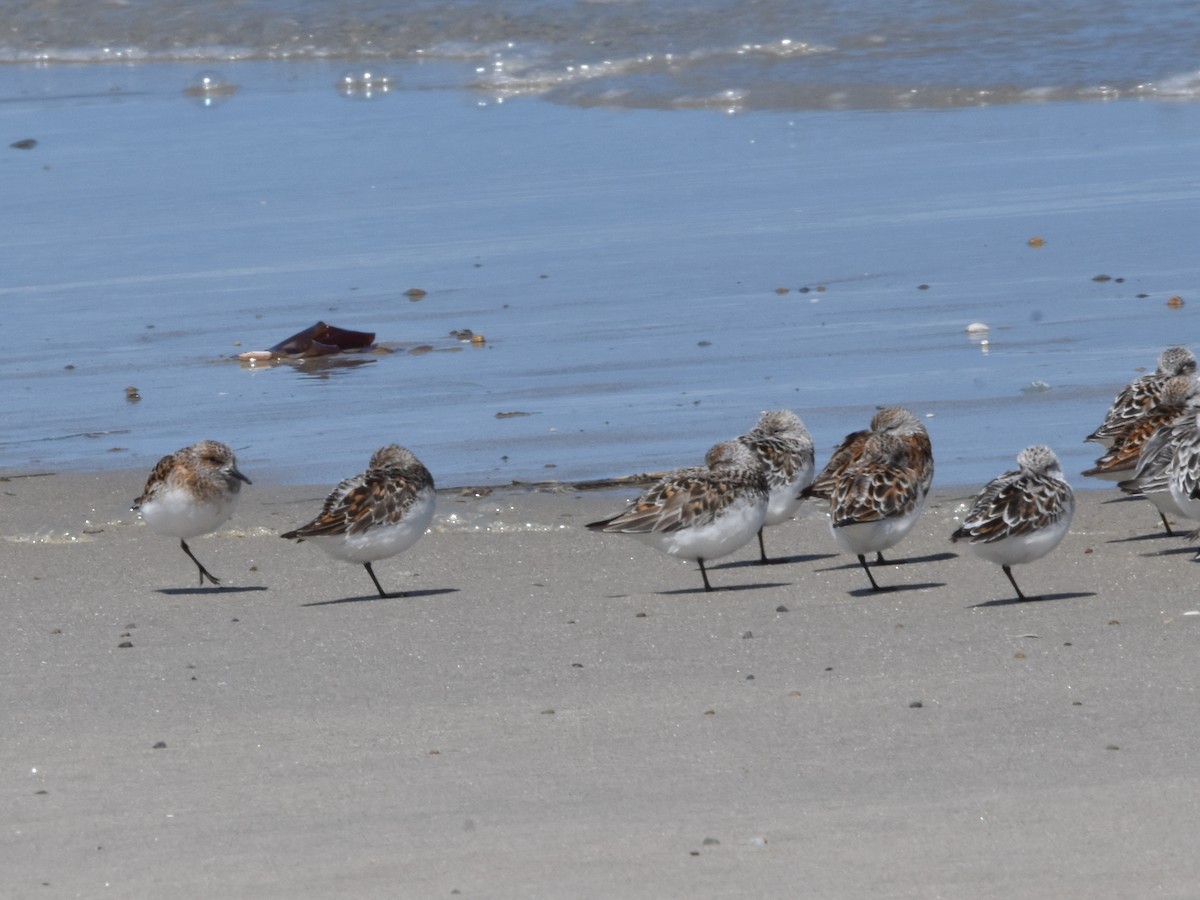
(555, 713)
(590, 239)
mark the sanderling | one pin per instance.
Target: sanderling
(1142, 394)
(897, 422)
(876, 499)
(377, 514)
(894, 420)
(1150, 475)
(702, 512)
(1022, 515)
(785, 449)
(192, 492)
(1183, 469)
(1122, 456)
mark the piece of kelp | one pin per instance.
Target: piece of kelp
(322, 340)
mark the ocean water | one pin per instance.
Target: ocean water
(662, 218)
(745, 54)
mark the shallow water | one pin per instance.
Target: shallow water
(721, 54)
(628, 269)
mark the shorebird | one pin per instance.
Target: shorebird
(893, 420)
(1150, 477)
(1180, 446)
(701, 512)
(1128, 455)
(191, 492)
(785, 449)
(897, 422)
(1022, 515)
(375, 515)
(876, 499)
(1142, 394)
(1121, 458)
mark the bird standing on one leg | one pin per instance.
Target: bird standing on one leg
(1168, 468)
(785, 449)
(375, 515)
(191, 492)
(899, 440)
(700, 512)
(876, 499)
(1022, 515)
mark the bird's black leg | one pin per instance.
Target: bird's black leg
(1166, 524)
(1008, 572)
(762, 548)
(704, 575)
(204, 573)
(879, 560)
(371, 572)
(862, 559)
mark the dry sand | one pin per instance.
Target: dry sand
(556, 713)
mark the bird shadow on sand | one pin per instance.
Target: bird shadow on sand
(1123, 498)
(907, 561)
(212, 590)
(724, 588)
(1153, 536)
(773, 561)
(1172, 551)
(372, 598)
(1043, 598)
(895, 588)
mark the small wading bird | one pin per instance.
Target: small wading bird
(1152, 476)
(375, 515)
(1182, 444)
(876, 500)
(1142, 394)
(1022, 515)
(1127, 455)
(191, 492)
(702, 512)
(877, 478)
(785, 449)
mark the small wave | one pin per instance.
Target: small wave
(1184, 86)
(517, 76)
(463, 50)
(514, 71)
(783, 49)
(109, 55)
(627, 54)
(752, 94)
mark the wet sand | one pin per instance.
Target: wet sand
(555, 713)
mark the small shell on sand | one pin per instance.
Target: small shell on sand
(977, 328)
